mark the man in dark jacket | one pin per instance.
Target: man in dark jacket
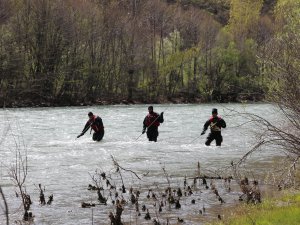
(216, 123)
(95, 122)
(152, 122)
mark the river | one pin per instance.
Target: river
(65, 165)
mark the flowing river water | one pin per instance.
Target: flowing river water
(64, 165)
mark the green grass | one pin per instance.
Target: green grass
(282, 211)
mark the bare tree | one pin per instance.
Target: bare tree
(5, 206)
(18, 172)
(282, 62)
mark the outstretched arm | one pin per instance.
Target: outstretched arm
(205, 127)
(85, 129)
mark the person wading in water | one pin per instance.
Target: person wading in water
(95, 122)
(216, 123)
(151, 123)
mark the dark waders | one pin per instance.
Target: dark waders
(215, 135)
(97, 136)
(152, 133)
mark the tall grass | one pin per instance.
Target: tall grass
(282, 211)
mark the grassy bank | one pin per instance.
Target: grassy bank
(275, 211)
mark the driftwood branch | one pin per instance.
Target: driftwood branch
(211, 177)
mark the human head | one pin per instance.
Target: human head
(90, 114)
(150, 109)
(214, 112)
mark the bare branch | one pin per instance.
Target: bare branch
(118, 165)
(5, 206)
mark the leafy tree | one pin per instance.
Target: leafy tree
(74, 52)
(244, 17)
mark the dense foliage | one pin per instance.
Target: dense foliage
(88, 51)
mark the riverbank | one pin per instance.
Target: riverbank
(284, 208)
(44, 102)
(278, 206)
(104, 101)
